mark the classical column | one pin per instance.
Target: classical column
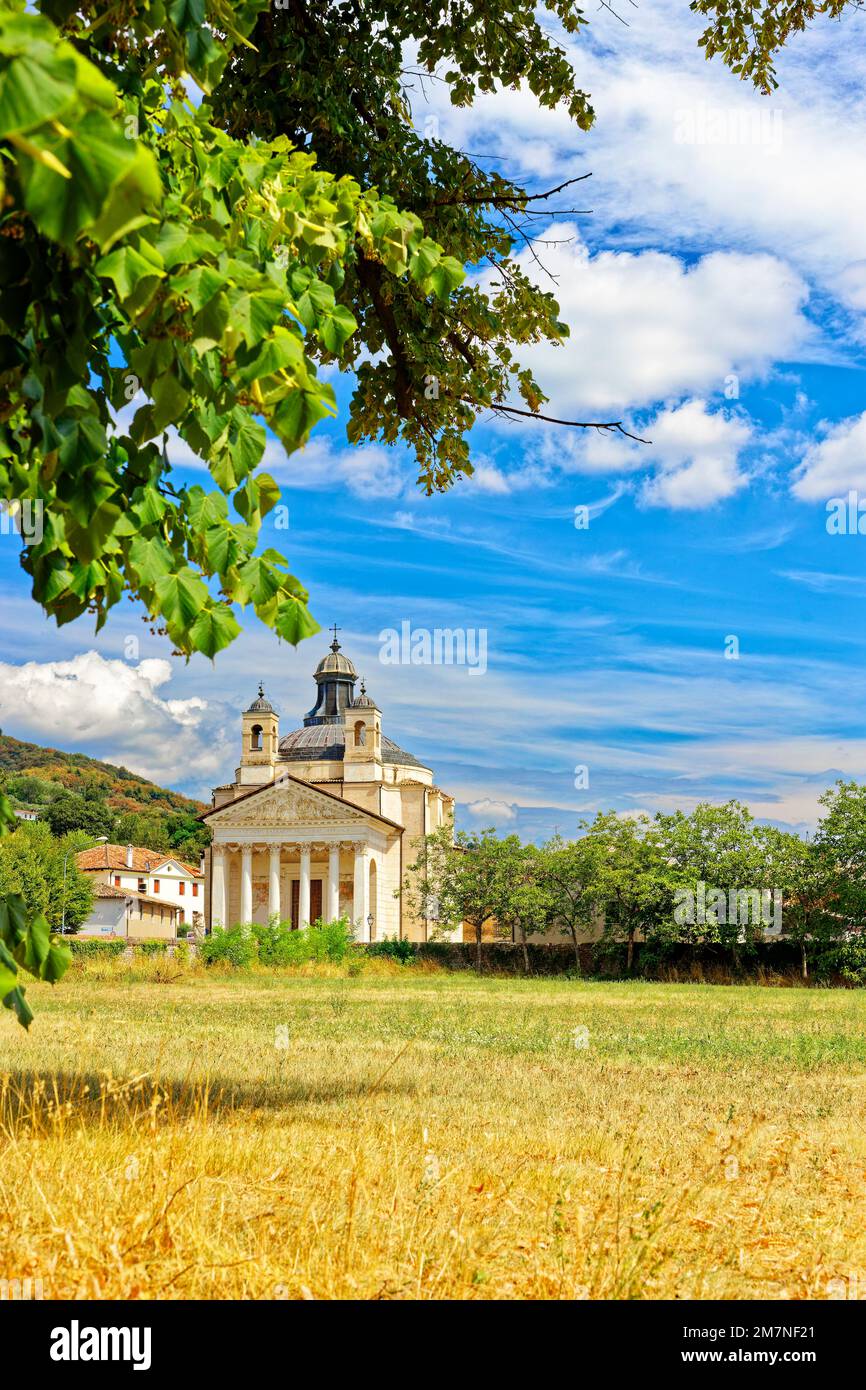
(304, 889)
(218, 905)
(361, 903)
(333, 907)
(274, 882)
(246, 884)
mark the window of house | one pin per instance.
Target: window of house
(142, 885)
(156, 885)
(195, 890)
(181, 888)
(117, 880)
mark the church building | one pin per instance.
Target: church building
(322, 821)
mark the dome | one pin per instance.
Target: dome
(335, 664)
(260, 705)
(363, 700)
(323, 737)
(335, 677)
(327, 743)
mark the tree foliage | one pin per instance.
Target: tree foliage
(26, 940)
(623, 879)
(178, 267)
(748, 34)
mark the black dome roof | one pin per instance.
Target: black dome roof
(327, 743)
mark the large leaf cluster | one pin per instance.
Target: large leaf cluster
(427, 365)
(160, 274)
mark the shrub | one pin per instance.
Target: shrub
(277, 944)
(846, 958)
(94, 947)
(181, 951)
(235, 946)
(330, 940)
(395, 948)
(152, 948)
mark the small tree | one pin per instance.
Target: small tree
(32, 865)
(69, 811)
(811, 885)
(457, 879)
(570, 870)
(841, 836)
(26, 942)
(630, 880)
(526, 896)
(714, 846)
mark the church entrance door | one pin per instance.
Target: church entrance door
(315, 901)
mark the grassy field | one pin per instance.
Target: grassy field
(402, 1134)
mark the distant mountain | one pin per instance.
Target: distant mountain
(48, 769)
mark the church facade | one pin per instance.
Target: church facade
(324, 820)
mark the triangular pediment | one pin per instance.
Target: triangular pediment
(290, 804)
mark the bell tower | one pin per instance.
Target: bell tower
(362, 722)
(260, 736)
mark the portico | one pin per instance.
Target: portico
(336, 865)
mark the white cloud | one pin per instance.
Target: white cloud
(834, 463)
(365, 470)
(647, 326)
(696, 453)
(112, 710)
(683, 152)
(492, 811)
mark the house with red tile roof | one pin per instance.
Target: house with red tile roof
(152, 877)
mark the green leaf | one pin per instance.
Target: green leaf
(151, 559)
(170, 400)
(186, 14)
(259, 581)
(254, 315)
(127, 269)
(248, 440)
(180, 244)
(294, 622)
(181, 597)
(213, 629)
(97, 155)
(15, 1000)
(198, 285)
(138, 188)
(35, 86)
(336, 328)
(283, 349)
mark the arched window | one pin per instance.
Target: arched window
(256, 738)
(360, 734)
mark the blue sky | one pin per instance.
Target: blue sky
(717, 300)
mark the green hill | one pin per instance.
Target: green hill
(71, 790)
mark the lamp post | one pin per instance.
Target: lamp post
(100, 840)
(369, 926)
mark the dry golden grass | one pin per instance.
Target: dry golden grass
(431, 1136)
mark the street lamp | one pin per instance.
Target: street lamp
(369, 926)
(100, 840)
